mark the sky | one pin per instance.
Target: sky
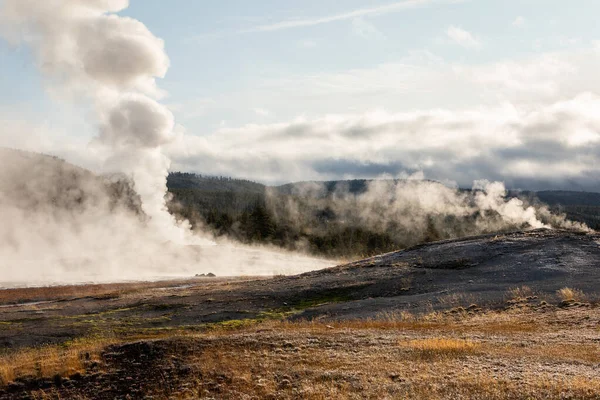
(276, 91)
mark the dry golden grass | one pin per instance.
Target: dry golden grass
(517, 293)
(492, 355)
(50, 293)
(48, 361)
(456, 299)
(556, 352)
(69, 358)
(352, 372)
(567, 294)
(440, 347)
(106, 290)
(488, 323)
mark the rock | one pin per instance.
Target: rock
(210, 275)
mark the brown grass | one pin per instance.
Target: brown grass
(440, 347)
(519, 293)
(350, 372)
(551, 352)
(48, 361)
(53, 293)
(104, 291)
(491, 355)
(568, 295)
(71, 357)
(456, 299)
(487, 323)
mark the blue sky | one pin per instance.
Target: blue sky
(212, 56)
(278, 91)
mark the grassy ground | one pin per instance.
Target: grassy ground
(528, 350)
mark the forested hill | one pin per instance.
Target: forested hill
(352, 186)
(180, 180)
(216, 201)
(569, 198)
(299, 214)
(33, 182)
(296, 215)
(183, 180)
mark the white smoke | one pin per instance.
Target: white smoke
(83, 48)
(411, 210)
(63, 224)
(492, 196)
(60, 223)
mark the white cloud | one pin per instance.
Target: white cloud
(463, 38)
(519, 21)
(419, 81)
(557, 143)
(565, 41)
(531, 122)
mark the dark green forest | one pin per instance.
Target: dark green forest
(301, 216)
(252, 213)
(333, 219)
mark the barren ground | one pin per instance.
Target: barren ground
(473, 318)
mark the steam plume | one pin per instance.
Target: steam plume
(412, 210)
(62, 224)
(85, 49)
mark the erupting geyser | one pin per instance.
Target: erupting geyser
(86, 49)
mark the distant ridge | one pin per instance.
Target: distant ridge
(33, 181)
(184, 180)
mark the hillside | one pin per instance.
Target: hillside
(307, 216)
(321, 217)
(38, 182)
(183, 180)
(476, 270)
(578, 206)
(510, 316)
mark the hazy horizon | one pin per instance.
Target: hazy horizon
(456, 90)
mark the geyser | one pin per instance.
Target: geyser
(85, 49)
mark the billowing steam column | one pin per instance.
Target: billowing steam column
(85, 49)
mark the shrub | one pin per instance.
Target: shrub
(567, 294)
(517, 293)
